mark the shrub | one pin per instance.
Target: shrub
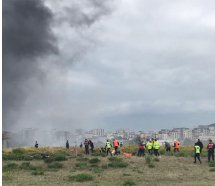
(18, 151)
(17, 156)
(10, 167)
(211, 164)
(114, 159)
(60, 157)
(25, 166)
(82, 159)
(148, 159)
(151, 165)
(37, 172)
(104, 166)
(212, 169)
(94, 160)
(55, 165)
(116, 164)
(49, 160)
(129, 183)
(81, 165)
(156, 159)
(162, 152)
(81, 177)
(97, 170)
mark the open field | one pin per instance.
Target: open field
(62, 167)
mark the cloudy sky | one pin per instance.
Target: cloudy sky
(110, 64)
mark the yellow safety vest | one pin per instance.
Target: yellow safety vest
(156, 145)
(149, 145)
(197, 149)
(108, 145)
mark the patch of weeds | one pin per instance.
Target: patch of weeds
(94, 160)
(38, 172)
(10, 167)
(104, 166)
(212, 169)
(162, 152)
(94, 165)
(211, 164)
(81, 165)
(129, 183)
(17, 157)
(81, 177)
(139, 171)
(18, 151)
(97, 170)
(82, 159)
(156, 159)
(126, 174)
(25, 166)
(103, 155)
(148, 159)
(151, 165)
(55, 165)
(113, 159)
(59, 157)
(118, 164)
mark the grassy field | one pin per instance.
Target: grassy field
(26, 166)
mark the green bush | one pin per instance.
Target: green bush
(212, 169)
(17, 157)
(49, 160)
(25, 166)
(148, 159)
(116, 164)
(37, 172)
(10, 167)
(18, 151)
(81, 177)
(114, 159)
(211, 164)
(82, 159)
(97, 170)
(94, 160)
(55, 165)
(151, 165)
(60, 157)
(162, 152)
(129, 183)
(81, 165)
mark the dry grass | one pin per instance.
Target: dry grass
(170, 170)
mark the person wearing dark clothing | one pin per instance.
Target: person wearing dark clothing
(141, 151)
(86, 145)
(81, 145)
(200, 144)
(36, 145)
(210, 148)
(167, 146)
(91, 146)
(197, 153)
(67, 144)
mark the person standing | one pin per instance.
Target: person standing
(156, 147)
(149, 147)
(167, 146)
(86, 145)
(200, 144)
(176, 146)
(197, 153)
(141, 151)
(91, 146)
(81, 145)
(210, 148)
(116, 145)
(108, 148)
(36, 145)
(67, 144)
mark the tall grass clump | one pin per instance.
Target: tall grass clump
(81, 177)
(94, 160)
(211, 164)
(55, 165)
(118, 164)
(10, 167)
(129, 183)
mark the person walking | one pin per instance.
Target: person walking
(36, 145)
(91, 146)
(108, 148)
(210, 148)
(86, 145)
(141, 150)
(197, 153)
(67, 144)
(167, 146)
(200, 144)
(149, 147)
(116, 145)
(156, 147)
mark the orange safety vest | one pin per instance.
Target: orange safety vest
(177, 144)
(115, 143)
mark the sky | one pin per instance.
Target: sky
(143, 65)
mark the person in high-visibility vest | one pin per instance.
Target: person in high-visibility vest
(176, 146)
(149, 147)
(156, 147)
(108, 148)
(116, 145)
(197, 153)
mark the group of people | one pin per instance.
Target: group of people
(88, 145)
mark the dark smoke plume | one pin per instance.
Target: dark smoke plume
(26, 37)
